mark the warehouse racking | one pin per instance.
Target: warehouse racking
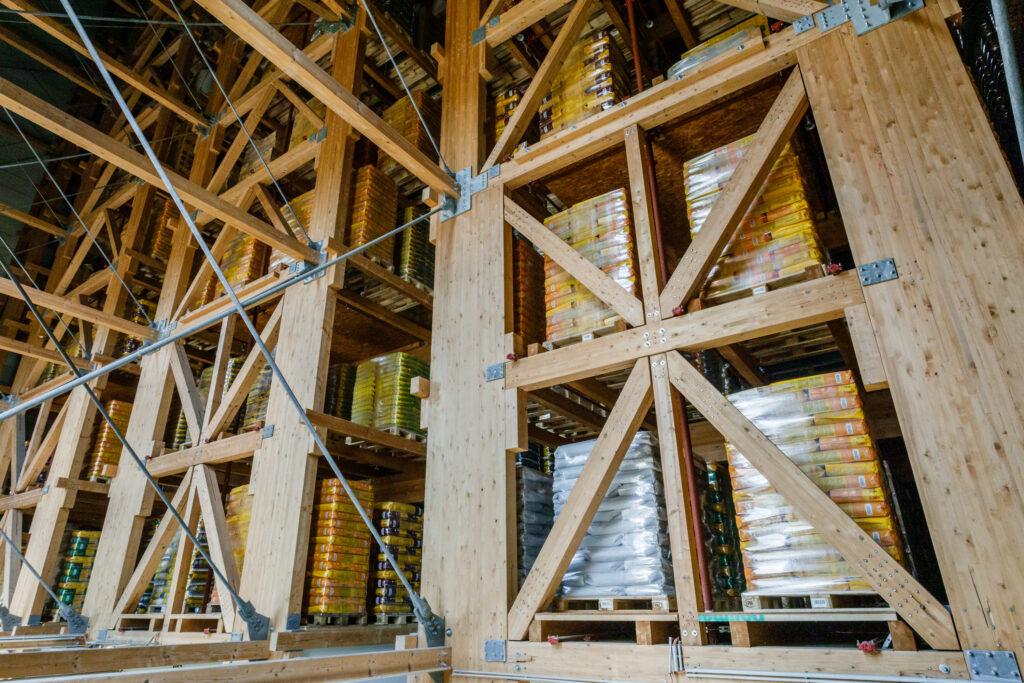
(905, 173)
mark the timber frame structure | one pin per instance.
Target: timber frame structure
(918, 177)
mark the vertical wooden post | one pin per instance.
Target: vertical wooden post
(284, 468)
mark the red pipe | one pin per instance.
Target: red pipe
(679, 406)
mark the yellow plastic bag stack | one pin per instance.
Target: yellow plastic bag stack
(592, 79)
(251, 162)
(818, 423)
(106, 447)
(302, 206)
(504, 106)
(341, 380)
(256, 400)
(775, 240)
(401, 528)
(415, 252)
(394, 406)
(244, 261)
(339, 558)
(600, 229)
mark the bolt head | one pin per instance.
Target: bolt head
(448, 632)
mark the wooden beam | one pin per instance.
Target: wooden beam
(254, 30)
(587, 493)
(539, 84)
(40, 352)
(218, 541)
(734, 200)
(30, 220)
(383, 314)
(339, 636)
(224, 450)
(914, 603)
(744, 363)
(37, 459)
(784, 10)
(49, 60)
(865, 348)
(65, 35)
(188, 394)
(566, 407)
(21, 501)
(590, 276)
(384, 276)
(88, 138)
(682, 22)
(802, 304)
(368, 434)
(519, 18)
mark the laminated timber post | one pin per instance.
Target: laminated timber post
(469, 534)
(284, 468)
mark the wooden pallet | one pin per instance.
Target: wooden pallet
(757, 602)
(178, 623)
(754, 629)
(649, 628)
(809, 273)
(406, 618)
(338, 619)
(659, 604)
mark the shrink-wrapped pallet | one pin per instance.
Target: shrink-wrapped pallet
(535, 514)
(374, 212)
(415, 252)
(339, 557)
(106, 446)
(76, 567)
(401, 528)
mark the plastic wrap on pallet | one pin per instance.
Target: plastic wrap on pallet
(255, 413)
(401, 528)
(199, 582)
(106, 446)
(374, 213)
(600, 229)
(76, 567)
(160, 583)
(818, 423)
(339, 557)
(730, 39)
(160, 236)
(403, 118)
(341, 379)
(528, 291)
(394, 406)
(298, 219)
(776, 238)
(237, 514)
(721, 536)
(625, 551)
(591, 79)
(535, 513)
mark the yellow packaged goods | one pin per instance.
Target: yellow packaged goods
(251, 160)
(341, 380)
(161, 234)
(244, 260)
(528, 291)
(400, 526)
(403, 118)
(374, 213)
(106, 447)
(817, 422)
(394, 406)
(339, 557)
(303, 128)
(415, 252)
(238, 512)
(298, 218)
(776, 239)
(600, 229)
(76, 568)
(256, 400)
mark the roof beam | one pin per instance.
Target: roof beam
(266, 40)
(786, 10)
(47, 59)
(30, 220)
(30, 107)
(519, 18)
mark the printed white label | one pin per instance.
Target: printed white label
(605, 604)
(842, 401)
(863, 481)
(760, 290)
(856, 454)
(868, 509)
(849, 428)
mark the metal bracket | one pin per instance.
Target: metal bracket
(258, 625)
(877, 271)
(864, 15)
(300, 267)
(7, 620)
(804, 23)
(479, 34)
(992, 665)
(324, 27)
(236, 636)
(101, 635)
(494, 651)
(494, 372)
(293, 622)
(320, 135)
(163, 328)
(268, 431)
(468, 185)
(78, 624)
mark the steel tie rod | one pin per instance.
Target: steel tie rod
(433, 625)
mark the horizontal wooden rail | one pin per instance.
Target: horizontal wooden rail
(368, 434)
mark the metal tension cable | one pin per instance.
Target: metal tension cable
(433, 625)
(77, 623)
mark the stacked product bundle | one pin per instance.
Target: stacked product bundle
(726, 41)
(161, 581)
(77, 567)
(401, 528)
(818, 423)
(776, 239)
(535, 513)
(721, 537)
(374, 212)
(298, 219)
(237, 513)
(528, 291)
(415, 252)
(244, 261)
(364, 392)
(199, 582)
(251, 161)
(128, 344)
(600, 229)
(147, 535)
(339, 558)
(625, 551)
(341, 380)
(255, 413)
(106, 447)
(592, 79)
(161, 234)
(52, 370)
(403, 118)
(380, 394)
(504, 105)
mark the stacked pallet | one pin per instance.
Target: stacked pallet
(818, 423)
(401, 528)
(776, 240)
(625, 552)
(415, 252)
(339, 557)
(341, 380)
(106, 446)
(374, 212)
(128, 344)
(237, 513)
(535, 511)
(255, 413)
(298, 219)
(199, 580)
(527, 291)
(592, 79)
(251, 160)
(380, 395)
(600, 229)
(77, 567)
(403, 118)
(161, 581)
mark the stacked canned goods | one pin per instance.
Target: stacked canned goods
(340, 550)
(401, 528)
(129, 344)
(147, 535)
(374, 212)
(106, 447)
(298, 219)
(78, 559)
(504, 106)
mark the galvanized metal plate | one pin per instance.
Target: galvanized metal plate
(877, 271)
(495, 372)
(804, 23)
(479, 34)
(494, 650)
(833, 16)
(867, 17)
(992, 665)
(469, 185)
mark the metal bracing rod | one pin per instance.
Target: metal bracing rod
(244, 608)
(149, 347)
(1011, 69)
(76, 622)
(74, 212)
(432, 624)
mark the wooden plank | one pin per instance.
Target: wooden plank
(224, 450)
(218, 541)
(566, 407)
(948, 326)
(88, 138)
(253, 29)
(12, 523)
(77, 310)
(188, 394)
(343, 636)
(735, 198)
(584, 499)
(590, 276)
(795, 306)
(221, 360)
(682, 22)
(848, 662)
(37, 459)
(100, 659)
(539, 84)
(865, 348)
(784, 10)
(381, 274)
(368, 434)
(520, 17)
(903, 592)
(28, 219)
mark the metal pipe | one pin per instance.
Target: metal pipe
(805, 677)
(634, 42)
(1011, 69)
(430, 622)
(150, 347)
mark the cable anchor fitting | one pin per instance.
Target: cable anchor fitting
(78, 624)
(258, 625)
(7, 620)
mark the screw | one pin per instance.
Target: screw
(448, 632)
